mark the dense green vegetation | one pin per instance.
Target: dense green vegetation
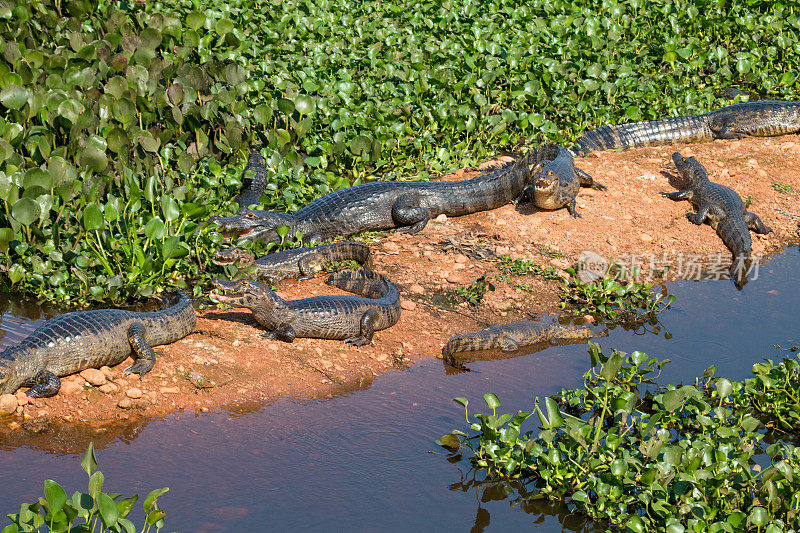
(122, 125)
(702, 457)
(94, 510)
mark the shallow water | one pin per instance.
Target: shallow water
(365, 460)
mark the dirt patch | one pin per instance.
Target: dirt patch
(226, 361)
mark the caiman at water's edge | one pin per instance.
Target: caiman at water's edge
(299, 263)
(555, 180)
(510, 337)
(79, 340)
(766, 118)
(353, 319)
(404, 205)
(724, 210)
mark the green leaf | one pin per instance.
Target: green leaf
(154, 229)
(96, 481)
(55, 495)
(196, 20)
(672, 399)
(108, 509)
(724, 387)
(611, 367)
(553, 414)
(449, 441)
(14, 96)
(461, 401)
(89, 461)
(152, 497)
(491, 400)
(25, 211)
(93, 217)
(94, 158)
(170, 208)
(304, 104)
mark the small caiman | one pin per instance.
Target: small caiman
(353, 319)
(765, 118)
(301, 263)
(724, 210)
(404, 205)
(555, 180)
(510, 337)
(79, 340)
(252, 188)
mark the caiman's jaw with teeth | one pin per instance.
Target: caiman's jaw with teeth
(254, 224)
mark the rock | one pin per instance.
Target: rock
(8, 404)
(441, 219)
(417, 289)
(169, 390)
(124, 403)
(591, 266)
(408, 305)
(107, 372)
(70, 387)
(22, 398)
(94, 376)
(108, 388)
(391, 247)
(461, 258)
(458, 278)
(559, 262)
(134, 393)
(588, 319)
(644, 237)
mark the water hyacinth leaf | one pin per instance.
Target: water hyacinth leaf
(108, 509)
(285, 106)
(170, 208)
(14, 96)
(196, 20)
(491, 400)
(36, 177)
(175, 93)
(93, 158)
(672, 399)
(89, 461)
(6, 236)
(304, 104)
(96, 481)
(611, 367)
(151, 498)
(55, 495)
(25, 211)
(93, 217)
(724, 387)
(224, 26)
(154, 229)
(449, 441)
(553, 414)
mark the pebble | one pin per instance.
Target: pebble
(588, 319)
(107, 372)
(22, 398)
(94, 376)
(417, 288)
(70, 387)
(124, 403)
(169, 390)
(108, 388)
(441, 219)
(644, 237)
(408, 305)
(461, 258)
(134, 393)
(457, 278)
(391, 247)
(8, 404)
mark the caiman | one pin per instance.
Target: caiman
(380, 205)
(765, 118)
(555, 180)
(353, 319)
(79, 340)
(252, 188)
(510, 337)
(300, 263)
(723, 209)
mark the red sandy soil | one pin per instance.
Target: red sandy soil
(226, 362)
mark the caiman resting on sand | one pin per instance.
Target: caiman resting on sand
(724, 210)
(79, 340)
(510, 337)
(299, 263)
(353, 319)
(555, 180)
(766, 118)
(404, 205)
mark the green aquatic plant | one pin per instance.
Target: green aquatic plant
(522, 267)
(98, 510)
(612, 298)
(643, 457)
(475, 291)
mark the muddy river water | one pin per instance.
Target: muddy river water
(365, 460)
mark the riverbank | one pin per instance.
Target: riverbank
(226, 361)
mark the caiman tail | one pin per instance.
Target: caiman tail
(736, 236)
(661, 131)
(170, 324)
(253, 188)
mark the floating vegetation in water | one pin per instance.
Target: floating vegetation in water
(649, 458)
(98, 510)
